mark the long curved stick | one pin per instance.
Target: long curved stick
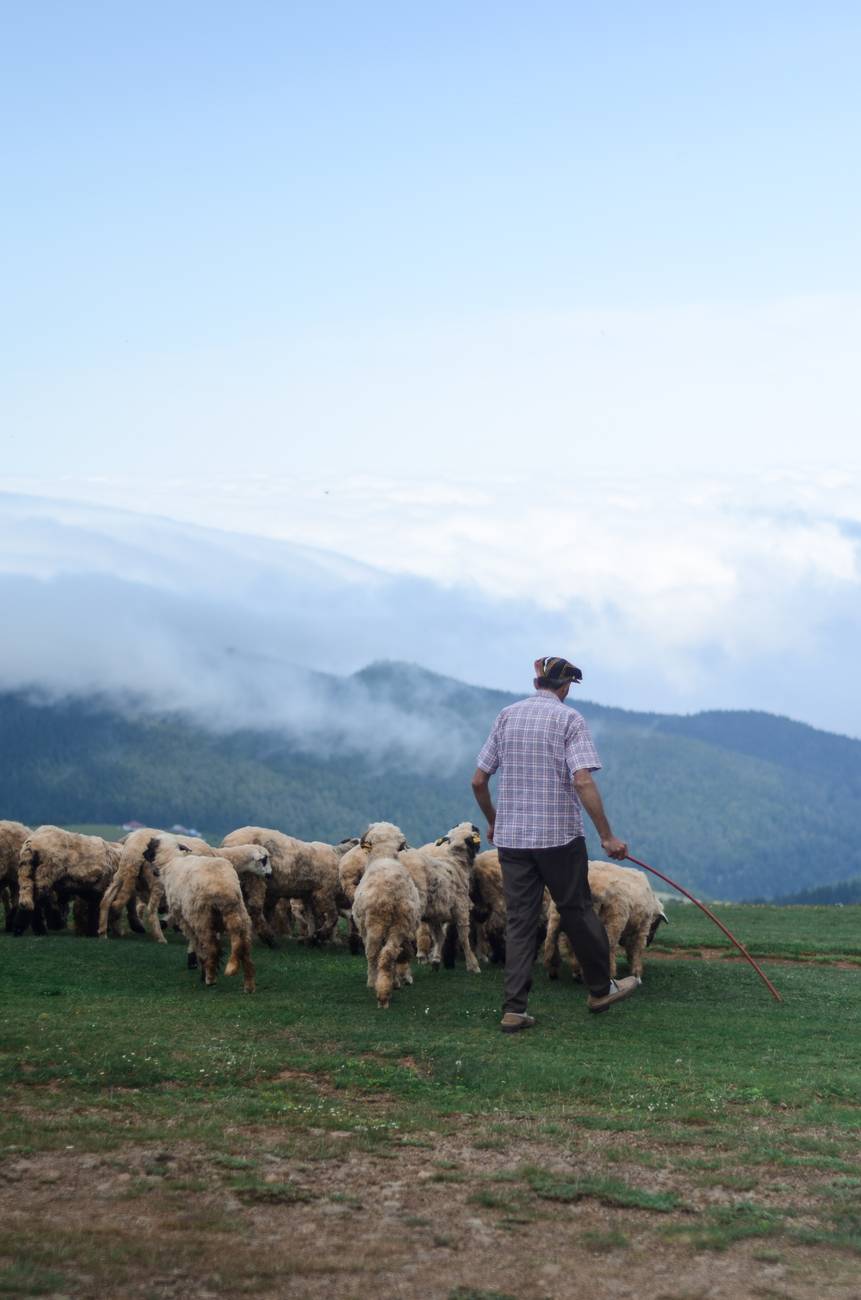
(744, 952)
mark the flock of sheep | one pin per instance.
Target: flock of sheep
(399, 902)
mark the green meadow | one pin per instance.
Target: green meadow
(701, 1118)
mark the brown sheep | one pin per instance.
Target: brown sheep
(69, 866)
(144, 850)
(631, 913)
(204, 898)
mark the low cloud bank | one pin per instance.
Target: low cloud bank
(718, 604)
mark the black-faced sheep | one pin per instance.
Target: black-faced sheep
(631, 913)
(204, 898)
(440, 872)
(144, 851)
(447, 911)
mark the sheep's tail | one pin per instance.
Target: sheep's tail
(238, 926)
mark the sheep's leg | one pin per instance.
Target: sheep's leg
(156, 897)
(354, 940)
(481, 946)
(424, 943)
(451, 935)
(106, 907)
(386, 971)
(191, 957)
(462, 923)
(551, 945)
(117, 895)
(614, 948)
(132, 915)
(10, 902)
(208, 953)
(254, 893)
(634, 947)
(373, 944)
(324, 909)
(437, 937)
(240, 949)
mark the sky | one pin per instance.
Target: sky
(556, 305)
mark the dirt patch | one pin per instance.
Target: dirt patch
(695, 953)
(176, 1220)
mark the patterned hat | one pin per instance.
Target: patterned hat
(554, 672)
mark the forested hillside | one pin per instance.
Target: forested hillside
(733, 805)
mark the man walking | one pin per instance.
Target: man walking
(546, 757)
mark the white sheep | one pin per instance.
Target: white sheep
(308, 871)
(440, 872)
(12, 836)
(204, 898)
(67, 865)
(387, 911)
(631, 913)
(144, 851)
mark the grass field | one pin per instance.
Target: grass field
(159, 1139)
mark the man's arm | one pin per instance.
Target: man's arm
(481, 790)
(590, 797)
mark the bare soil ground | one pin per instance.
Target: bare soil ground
(411, 1221)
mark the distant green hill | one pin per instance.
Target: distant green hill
(734, 805)
(844, 892)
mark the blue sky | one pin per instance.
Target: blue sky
(439, 287)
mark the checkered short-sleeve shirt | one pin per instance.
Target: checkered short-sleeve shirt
(537, 745)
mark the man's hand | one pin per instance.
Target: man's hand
(491, 827)
(615, 848)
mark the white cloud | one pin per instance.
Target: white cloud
(676, 595)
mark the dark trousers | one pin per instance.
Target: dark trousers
(565, 872)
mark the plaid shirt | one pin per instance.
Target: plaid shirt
(537, 745)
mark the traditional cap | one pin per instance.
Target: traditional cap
(553, 672)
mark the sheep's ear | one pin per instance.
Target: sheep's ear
(476, 838)
(443, 839)
(403, 846)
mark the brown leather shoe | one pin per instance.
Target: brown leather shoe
(619, 989)
(513, 1021)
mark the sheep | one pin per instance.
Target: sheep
(204, 898)
(308, 871)
(144, 850)
(70, 865)
(12, 836)
(488, 915)
(447, 910)
(387, 912)
(440, 872)
(301, 917)
(629, 909)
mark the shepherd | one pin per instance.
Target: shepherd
(545, 756)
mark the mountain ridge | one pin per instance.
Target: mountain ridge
(732, 804)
